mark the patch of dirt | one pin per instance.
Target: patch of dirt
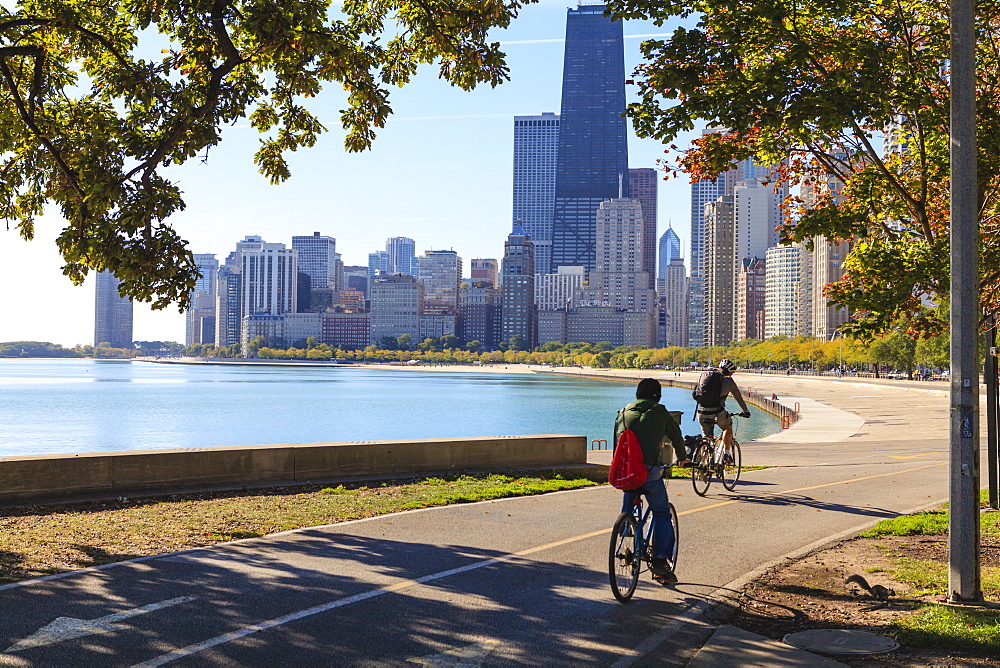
(811, 593)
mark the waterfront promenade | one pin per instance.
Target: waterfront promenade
(520, 581)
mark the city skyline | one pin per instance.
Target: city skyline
(442, 145)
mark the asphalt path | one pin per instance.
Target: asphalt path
(518, 581)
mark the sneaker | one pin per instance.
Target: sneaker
(660, 567)
(728, 459)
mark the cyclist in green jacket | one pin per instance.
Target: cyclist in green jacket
(657, 431)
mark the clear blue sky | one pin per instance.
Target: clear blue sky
(440, 172)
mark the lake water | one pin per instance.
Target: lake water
(66, 406)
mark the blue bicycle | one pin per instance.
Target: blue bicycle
(631, 549)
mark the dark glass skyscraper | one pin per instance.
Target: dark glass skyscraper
(593, 145)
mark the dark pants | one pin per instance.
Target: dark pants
(656, 496)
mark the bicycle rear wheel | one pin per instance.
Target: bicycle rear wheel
(701, 471)
(731, 472)
(623, 559)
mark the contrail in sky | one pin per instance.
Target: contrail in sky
(562, 39)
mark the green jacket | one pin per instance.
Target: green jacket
(654, 427)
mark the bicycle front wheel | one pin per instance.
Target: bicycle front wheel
(731, 471)
(623, 559)
(701, 471)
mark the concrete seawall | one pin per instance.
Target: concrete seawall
(135, 472)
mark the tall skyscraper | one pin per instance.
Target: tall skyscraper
(642, 184)
(592, 163)
(536, 144)
(440, 272)
(200, 317)
(670, 250)
(112, 313)
(518, 282)
(402, 255)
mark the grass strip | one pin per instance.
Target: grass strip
(955, 629)
(930, 523)
(40, 540)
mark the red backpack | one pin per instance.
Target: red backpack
(628, 468)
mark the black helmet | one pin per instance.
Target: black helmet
(728, 366)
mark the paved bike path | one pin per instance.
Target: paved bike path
(514, 581)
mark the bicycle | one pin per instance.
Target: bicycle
(631, 549)
(707, 462)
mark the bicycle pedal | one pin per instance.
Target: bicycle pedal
(665, 580)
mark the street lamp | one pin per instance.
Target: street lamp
(964, 578)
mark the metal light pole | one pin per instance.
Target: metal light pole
(963, 528)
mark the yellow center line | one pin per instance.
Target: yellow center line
(805, 489)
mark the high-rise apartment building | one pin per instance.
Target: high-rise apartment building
(719, 275)
(592, 163)
(485, 270)
(270, 280)
(112, 313)
(518, 283)
(536, 144)
(784, 288)
(396, 307)
(440, 272)
(200, 317)
(228, 306)
(642, 185)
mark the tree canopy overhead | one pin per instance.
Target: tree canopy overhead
(838, 90)
(96, 98)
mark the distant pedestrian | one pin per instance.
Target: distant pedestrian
(774, 397)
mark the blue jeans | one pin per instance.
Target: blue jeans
(656, 496)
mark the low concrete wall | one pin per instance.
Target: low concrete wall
(134, 472)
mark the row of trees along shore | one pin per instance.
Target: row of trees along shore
(896, 351)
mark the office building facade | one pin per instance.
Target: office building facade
(228, 306)
(555, 292)
(401, 255)
(719, 275)
(480, 307)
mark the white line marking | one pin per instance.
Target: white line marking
(68, 628)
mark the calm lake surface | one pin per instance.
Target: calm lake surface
(65, 406)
